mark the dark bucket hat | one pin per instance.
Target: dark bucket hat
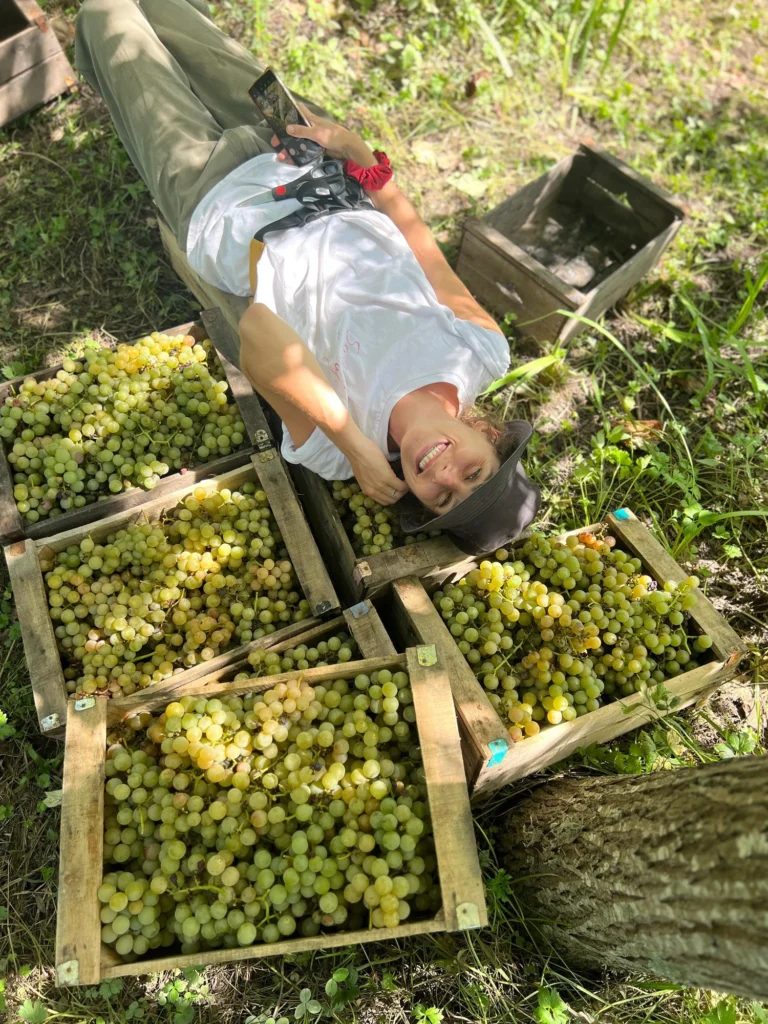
(495, 513)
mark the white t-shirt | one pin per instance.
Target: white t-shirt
(351, 288)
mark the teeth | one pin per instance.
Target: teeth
(432, 454)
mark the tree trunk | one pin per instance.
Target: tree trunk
(663, 874)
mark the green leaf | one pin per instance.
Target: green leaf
(3, 913)
(525, 371)
(388, 982)
(331, 987)
(33, 1013)
(551, 1008)
(341, 974)
(723, 1013)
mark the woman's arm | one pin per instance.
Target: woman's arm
(286, 374)
(344, 144)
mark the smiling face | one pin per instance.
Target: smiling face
(445, 461)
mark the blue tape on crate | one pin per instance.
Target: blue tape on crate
(498, 749)
(622, 513)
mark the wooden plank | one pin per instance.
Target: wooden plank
(78, 928)
(297, 536)
(531, 201)
(331, 940)
(461, 882)
(601, 204)
(619, 283)
(535, 753)
(329, 532)
(566, 295)
(35, 86)
(504, 287)
(482, 726)
(727, 644)
(232, 306)
(365, 625)
(25, 49)
(225, 340)
(424, 558)
(29, 595)
(659, 195)
(122, 707)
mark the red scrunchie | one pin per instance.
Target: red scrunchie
(371, 178)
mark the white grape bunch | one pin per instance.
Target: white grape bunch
(337, 649)
(239, 820)
(370, 527)
(117, 419)
(153, 599)
(566, 626)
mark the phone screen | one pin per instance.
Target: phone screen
(274, 101)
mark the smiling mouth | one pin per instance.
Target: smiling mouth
(430, 455)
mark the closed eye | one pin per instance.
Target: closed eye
(475, 475)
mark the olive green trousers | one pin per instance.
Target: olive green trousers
(177, 90)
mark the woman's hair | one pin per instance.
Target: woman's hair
(485, 426)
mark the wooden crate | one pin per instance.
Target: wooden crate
(81, 959)
(575, 239)
(45, 669)
(491, 758)
(368, 575)
(33, 67)
(14, 527)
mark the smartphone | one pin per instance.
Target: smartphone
(279, 108)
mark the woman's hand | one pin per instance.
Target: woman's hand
(374, 474)
(336, 141)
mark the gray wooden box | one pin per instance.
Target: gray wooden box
(577, 239)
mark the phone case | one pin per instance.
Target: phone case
(301, 151)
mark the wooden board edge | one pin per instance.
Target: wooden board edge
(78, 928)
(49, 687)
(365, 625)
(123, 707)
(461, 881)
(297, 536)
(330, 940)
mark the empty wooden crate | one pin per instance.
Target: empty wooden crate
(492, 759)
(82, 959)
(576, 239)
(33, 66)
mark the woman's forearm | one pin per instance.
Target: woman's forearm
(286, 374)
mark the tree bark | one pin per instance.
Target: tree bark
(663, 874)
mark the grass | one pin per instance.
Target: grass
(662, 407)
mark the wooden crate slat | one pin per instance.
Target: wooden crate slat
(209, 296)
(78, 928)
(532, 200)
(419, 559)
(329, 532)
(25, 49)
(35, 86)
(489, 740)
(365, 625)
(727, 644)
(48, 684)
(210, 686)
(461, 881)
(331, 940)
(462, 888)
(13, 527)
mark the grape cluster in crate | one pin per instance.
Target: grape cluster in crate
(371, 528)
(116, 419)
(567, 625)
(155, 598)
(249, 819)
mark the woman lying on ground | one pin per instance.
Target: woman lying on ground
(360, 335)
